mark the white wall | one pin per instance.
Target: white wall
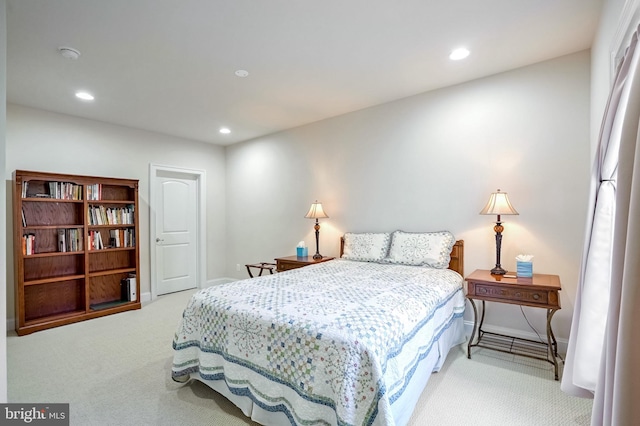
(429, 162)
(4, 231)
(45, 141)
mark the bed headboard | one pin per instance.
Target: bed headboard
(457, 256)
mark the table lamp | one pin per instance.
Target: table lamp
(499, 205)
(316, 212)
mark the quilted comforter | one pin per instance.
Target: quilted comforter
(333, 343)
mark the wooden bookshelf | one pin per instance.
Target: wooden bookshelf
(69, 264)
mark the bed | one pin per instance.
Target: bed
(351, 341)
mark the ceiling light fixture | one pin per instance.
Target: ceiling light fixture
(458, 54)
(225, 131)
(69, 52)
(85, 96)
(242, 73)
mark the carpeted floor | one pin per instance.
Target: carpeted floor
(116, 371)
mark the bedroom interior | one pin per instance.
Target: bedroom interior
(421, 162)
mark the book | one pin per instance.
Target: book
(125, 289)
(62, 240)
(99, 245)
(28, 244)
(63, 191)
(79, 242)
(94, 192)
(128, 289)
(133, 294)
(91, 242)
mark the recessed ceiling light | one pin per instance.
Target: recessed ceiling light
(458, 54)
(242, 73)
(85, 96)
(225, 130)
(69, 52)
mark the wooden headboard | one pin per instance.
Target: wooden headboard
(457, 256)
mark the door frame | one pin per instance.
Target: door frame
(200, 176)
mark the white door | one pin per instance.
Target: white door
(176, 233)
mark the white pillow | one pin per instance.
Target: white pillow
(367, 247)
(421, 248)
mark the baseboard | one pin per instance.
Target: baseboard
(218, 281)
(562, 343)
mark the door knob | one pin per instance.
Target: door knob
(158, 240)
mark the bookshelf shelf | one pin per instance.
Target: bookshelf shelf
(115, 225)
(61, 273)
(108, 202)
(50, 200)
(53, 280)
(36, 227)
(112, 272)
(43, 323)
(53, 254)
(108, 305)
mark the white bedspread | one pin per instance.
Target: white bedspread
(329, 344)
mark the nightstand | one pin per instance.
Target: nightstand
(539, 291)
(293, 262)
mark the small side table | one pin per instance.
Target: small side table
(540, 291)
(262, 266)
(293, 262)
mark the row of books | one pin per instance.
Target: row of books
(95, 241)
(117, 238)
(101, 215)
(69, 239)
(28, 244)
(57, 190)
(94, 192)
(122, 238)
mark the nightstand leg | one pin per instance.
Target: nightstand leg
(551, 342)
(473, 332)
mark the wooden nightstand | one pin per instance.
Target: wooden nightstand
(293, 262)
(540, 291)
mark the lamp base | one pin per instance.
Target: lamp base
(498, 270)
(317, 256)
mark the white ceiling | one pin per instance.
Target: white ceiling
(168, 65)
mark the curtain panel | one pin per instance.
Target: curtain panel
(604, 345)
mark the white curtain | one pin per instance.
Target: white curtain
(603, 357)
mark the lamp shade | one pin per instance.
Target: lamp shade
(498, 204)
(316, 211)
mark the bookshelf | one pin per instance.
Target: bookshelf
(76, 252)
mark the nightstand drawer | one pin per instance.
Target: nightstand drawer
(511, 293)
(285, 266)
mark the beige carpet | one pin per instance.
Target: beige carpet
(115, 371)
